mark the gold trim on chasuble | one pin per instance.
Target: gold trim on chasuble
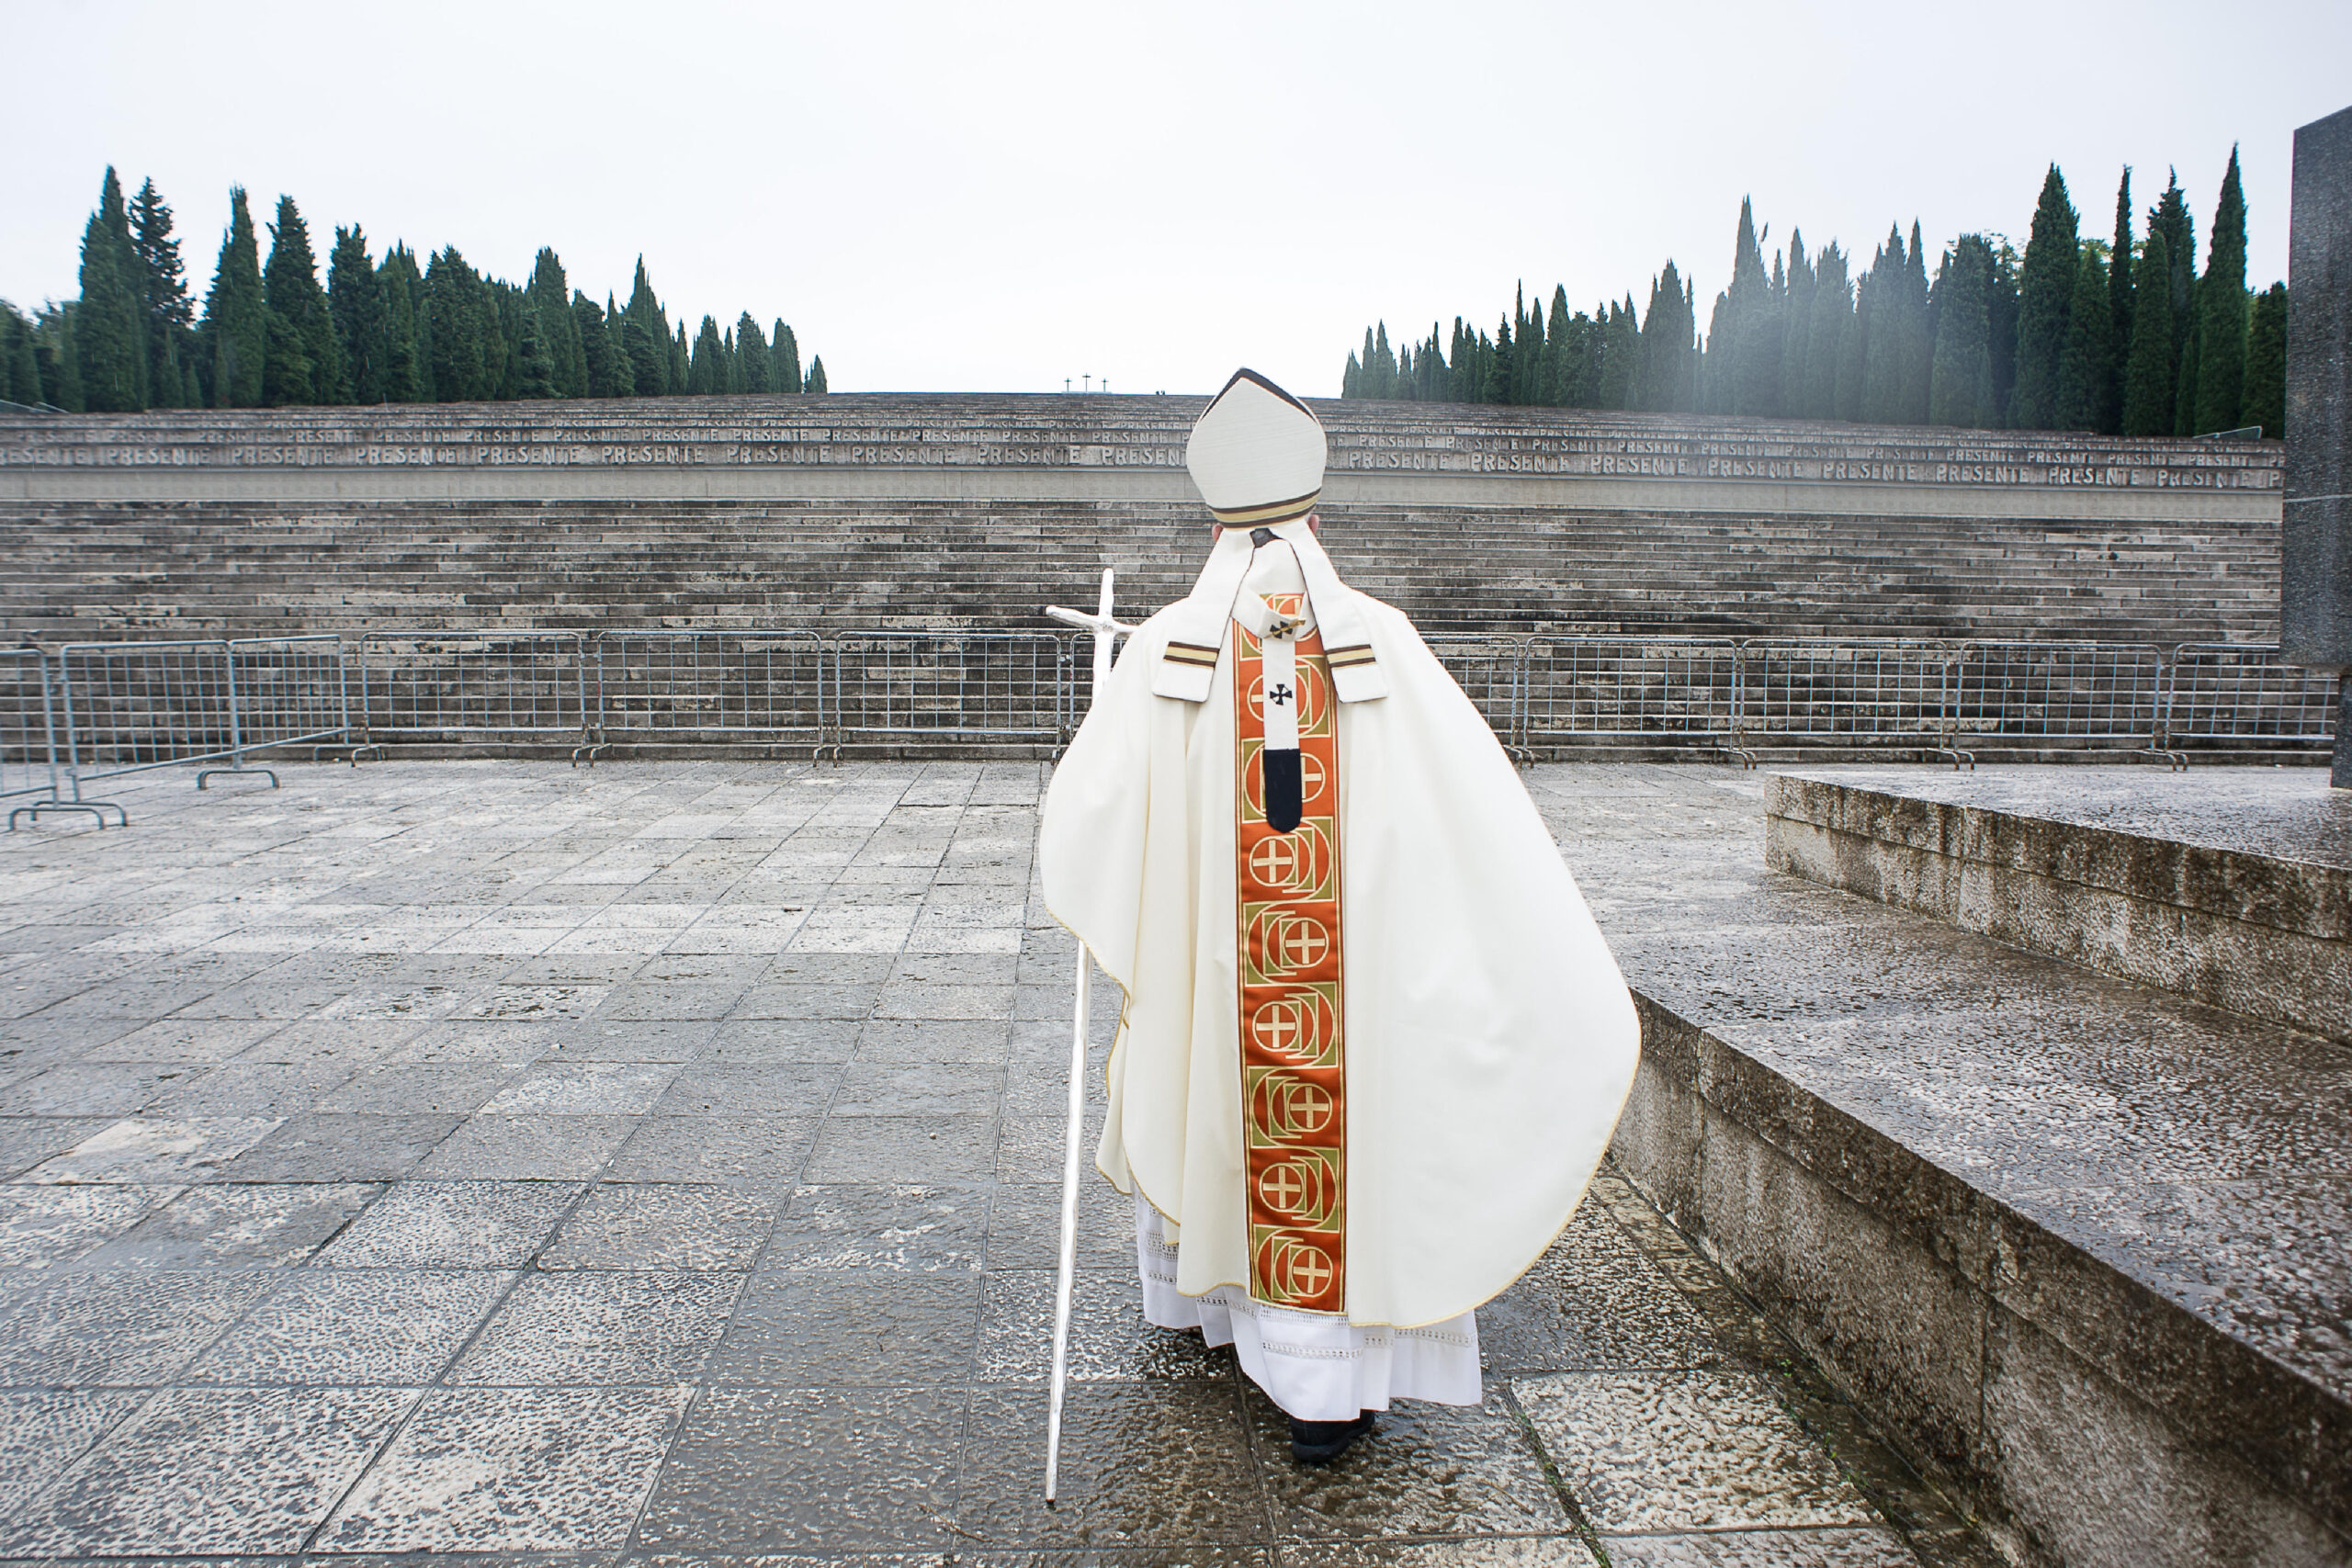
(1293, 1086)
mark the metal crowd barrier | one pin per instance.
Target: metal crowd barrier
(85, 712)
(713, 686)
(2220, 691)
(472, 686)
(977, 686)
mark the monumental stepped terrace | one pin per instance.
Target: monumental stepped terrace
(906, 510)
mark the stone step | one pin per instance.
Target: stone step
(2232, 888)
(2080, 1245)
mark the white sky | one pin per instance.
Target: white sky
(996, 197)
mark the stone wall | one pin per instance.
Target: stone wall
(906, 510)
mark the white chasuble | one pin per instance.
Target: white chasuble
(1366, 1064)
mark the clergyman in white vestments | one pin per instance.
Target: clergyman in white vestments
(1372, 1044)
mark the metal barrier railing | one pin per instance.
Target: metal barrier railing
(985, 686)
(85, 711)
(2058, 690)
(291, 690)
(2235, 692)
(1492, 673)
(472, 686)
(1630, 689)
(725, 685)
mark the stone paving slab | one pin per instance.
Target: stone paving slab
(659, 1164)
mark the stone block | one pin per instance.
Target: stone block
(2315, 583)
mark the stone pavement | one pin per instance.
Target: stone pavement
(660, 1162)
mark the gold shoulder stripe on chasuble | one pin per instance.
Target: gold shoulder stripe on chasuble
(1353, 654)
(1192, 653)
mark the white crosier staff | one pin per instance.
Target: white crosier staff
(1106, 633)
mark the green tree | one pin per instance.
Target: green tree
(109, 319)
(1669, 354)
(362, 327)
(598, 352)
(1960, 371)
(1832, 315)
(784, 374)
(163, 291)
(753, 363)
(646, 363)
(535, 378)
(2222, 311)
(2045, 295)
(1916, 357)
(2119, 294)
(19, 371)
(456, 312)
(55, 359)
(2266, 364)
(2087, 368)
(2147, 366)
(408, 340)
(816, 382)
(236, 330)
(2184, 402)
(707, 373)
(652, 370)
(1797, 326)
(305, 362)
(2002, 312)
(550, 296)
(2170, 218)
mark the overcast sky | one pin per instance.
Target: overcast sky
(996, 196)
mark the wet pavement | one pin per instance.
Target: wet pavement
(661, 1162)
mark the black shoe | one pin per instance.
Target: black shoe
(1320, 1442)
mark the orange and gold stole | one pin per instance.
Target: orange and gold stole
(1293, 1083)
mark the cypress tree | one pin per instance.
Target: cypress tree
(652, 370)
(1885, 332)
(163, 293)
(54, 357)
(1558, 371)
(754, 360)
(816, 382)
(461, 367)
(1961, 375)
(2002, 314)
(648, 365)
(1832, 315)
(1853, 347)
(109, 322)
(305, 362)
(2266, 364)
(535, 375)
(236, 322)
(2087, 368)
(597, 351)
(1736, 349)
(2184, 402)
(1796, 327)
(707, 373)
(19, 371)
(550, 296)
(408, 342)
(1917, 358)
(2045, 295)
(1662, 377)
(355, 300)
(1493, 386)
(2222, 311)
(2170, 218)
(1621, 355)
(2147, 367)
(1352, 377)
(508, 306)
(785, 349)
(2119, 292)
(681, 359)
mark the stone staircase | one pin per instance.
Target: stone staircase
(97, 569)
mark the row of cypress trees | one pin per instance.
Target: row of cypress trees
(377, 332)
(2120, 336)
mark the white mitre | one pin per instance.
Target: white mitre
(1257, 454)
